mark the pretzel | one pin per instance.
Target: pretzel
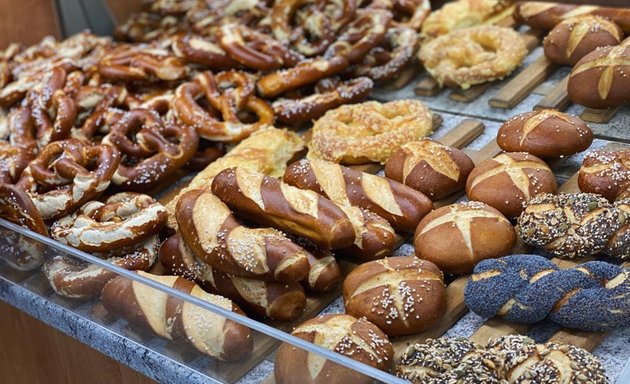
(95, 104)
(124, 219)
(202, 50)
(129, 64)
(236, 96)
(21, 129)
(606, 173)
(473, 55)
(156, 151)
(461, 14)
(280, 301)
(411, 13)
(78, 279)
(388, 59)
(400, 205)
(170, 7)
(529, 288)
(292, 111)
(67, 174)
(268, 201)
(255, 50)
(146, 27)
(19, 251)
(310, 26)
(13, 160)
(207, 152)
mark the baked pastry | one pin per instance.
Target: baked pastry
(432, 168)
(522, 359)
(355, 338)
(593, 296)
(13, 160)
(545, 133)
(461, 14)
(445, 360)
(458, 236)
(400, 295)
(606, 173)
(368, 132)
(507, 181)
(619, 243)
(574, 38)
(473, 55)
(178, 320)
(568, 225)
(599, 79)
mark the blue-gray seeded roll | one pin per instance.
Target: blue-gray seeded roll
(594, 296)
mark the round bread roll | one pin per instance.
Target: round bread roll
(607, 174)
(458, 236)
(569, 225)
(546, 133)
(507, 181)
(574, 38)
(356, 338)
(401, 295)
(432, 168)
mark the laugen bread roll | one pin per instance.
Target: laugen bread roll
(432, 168)
(458, 236)
(546, 133)
(507, 181)
(355, 338)
(177, 320)
(400, 295)
(606, 173)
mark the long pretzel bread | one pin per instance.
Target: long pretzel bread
(544, 15)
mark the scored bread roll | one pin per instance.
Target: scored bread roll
(458, 236)
(268, 201)
(401, 295)
(177, 320)
(355, 338)
(432, 168)
(606, 173)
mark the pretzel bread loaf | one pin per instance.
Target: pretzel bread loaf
(216, 237)
(176, 320)
(268, 201)
(402, 206)
(281, 301)
(325, 273)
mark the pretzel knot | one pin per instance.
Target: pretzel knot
(202, 50)
(151, 149)
(67, 174)
(255, 50)
(95, 105)
(228, 95)
(125, 219)
(13, 160)
(19, 251)
(132, 64)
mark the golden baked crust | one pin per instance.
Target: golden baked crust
(461, 14)
(368, 132)
(473, 55)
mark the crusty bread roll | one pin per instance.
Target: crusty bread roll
(507, 181)
(606, 173)
(355, 338)
(401, 295)
(177, 320)
(432, 168)
(458, 236)
(546, 133)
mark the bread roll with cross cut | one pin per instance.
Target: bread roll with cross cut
(432, 168)
(507, 181)
(606, 173)
(458, 236)
(355, 338)
(401, 295)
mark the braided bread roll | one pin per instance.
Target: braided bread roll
(268, 201)
(619, 243)
(176, 320)
(594, 296)
(281, 301)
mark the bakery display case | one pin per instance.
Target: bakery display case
(206, 197)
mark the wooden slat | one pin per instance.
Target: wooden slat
(497, 327)
(599, 116)
(557, 98)
(428, 86)
(406, 76)
(463, 134)
(488, 151)
(523, 84)
(469, 94)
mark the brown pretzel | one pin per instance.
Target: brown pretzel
(67, 174)
(151, 148)
(21, 129)
(387, 60)
(13, 160)
(146, 27)
(19, 251)
(310, 26)
(95, 115)
(308, 108)
(131, 64)
(235, 95)
(207, 152)
(411, 13)
(255, 50)
(202, 50)
(125, 219)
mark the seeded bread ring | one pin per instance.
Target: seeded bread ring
(368, 132)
